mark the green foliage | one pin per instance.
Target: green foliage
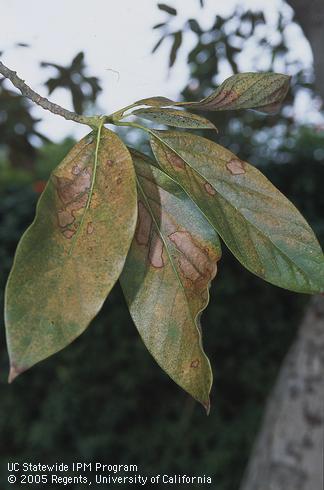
(19, 138)
(17, 127)
(167, 9)
(104, 399)
(84, 89)
(175, 246)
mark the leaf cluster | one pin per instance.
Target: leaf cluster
(110, 212)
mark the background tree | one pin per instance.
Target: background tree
(310, 16)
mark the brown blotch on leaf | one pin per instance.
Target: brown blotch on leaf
(90, 228)
(144, 223)
(209, 189)
(224, 98)
(194, 364)
(65, 218)
(194, 261)
(76, 170)
(69, 233)
(109, 163)
(156, 251)
(235, 166)
(70, 189)
(175, 160)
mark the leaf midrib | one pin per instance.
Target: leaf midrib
(93, 181)
(194, 320)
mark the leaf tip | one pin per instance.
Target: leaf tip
(206, 405)
(14, 373)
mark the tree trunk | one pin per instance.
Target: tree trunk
(288, 453)
(310, 16)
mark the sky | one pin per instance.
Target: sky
(117, 39)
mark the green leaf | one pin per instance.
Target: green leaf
(166, 277)
(262, 91)
(73, 253)
(194, 26)
(167, 9)
(173, 117)
(259, 225)
(158, 26)
(158, 44)
(177, 41)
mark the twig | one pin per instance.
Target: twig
(43, 102)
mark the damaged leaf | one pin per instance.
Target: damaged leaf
(175, 118)
(261, 91)
(172, 259)
(73, 253)
(156, 101)
(262, 228)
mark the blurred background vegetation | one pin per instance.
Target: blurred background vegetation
(104, 398)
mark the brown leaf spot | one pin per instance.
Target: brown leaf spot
(69, 233)
(175, 160)
(229, 97)
(69, 189)
(76, 170)
(209, 189)
(194, 261)
(95, 200)
(224, 98)
(90, 228)
(144, 222)
(118, 180)
(194, 364)
(236, 166)
(109, 163)
(65, 218)
(156, 251)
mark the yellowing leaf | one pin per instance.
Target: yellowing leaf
(260, 226)
(173, 117)
(166, 277)
(262, 91)
(70, 257)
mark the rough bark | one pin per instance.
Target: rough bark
(310, 16)
(288, 453)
